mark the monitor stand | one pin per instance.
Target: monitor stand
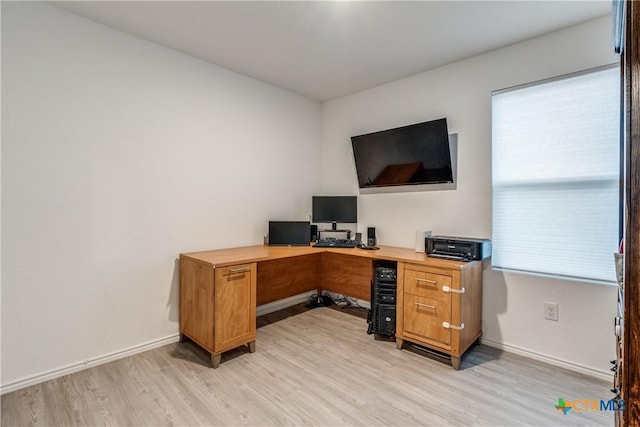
(334, 229)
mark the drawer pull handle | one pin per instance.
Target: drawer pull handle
(425, 280)
(238, 270)
(450, 326)
(426, 305)
(455, 291)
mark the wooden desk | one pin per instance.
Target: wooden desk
(223, 287)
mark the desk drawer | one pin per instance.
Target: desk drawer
(426, 284)
(423, 319)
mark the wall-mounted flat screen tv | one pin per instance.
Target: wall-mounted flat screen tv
(405, 156)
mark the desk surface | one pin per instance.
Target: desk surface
(225, 257)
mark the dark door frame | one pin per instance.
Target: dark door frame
(631, 335)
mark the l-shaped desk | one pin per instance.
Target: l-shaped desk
(439, 302)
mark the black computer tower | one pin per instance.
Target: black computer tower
(386, 319)
(382, 315)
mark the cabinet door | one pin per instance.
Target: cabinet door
(423, 319)
(235, 306)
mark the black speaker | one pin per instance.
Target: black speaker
(314, 233)
(358, 239)
(371, 236)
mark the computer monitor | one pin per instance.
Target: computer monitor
(335, 209)
(289, 233)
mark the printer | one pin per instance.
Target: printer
(457, 248)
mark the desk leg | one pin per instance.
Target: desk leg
(183, 338)
(252, 347)
(215, 360)
(455, 363)
(399, 343)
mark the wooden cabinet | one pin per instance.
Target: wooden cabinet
(440, 307)
(217, 305)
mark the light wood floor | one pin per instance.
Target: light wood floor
(315, 368)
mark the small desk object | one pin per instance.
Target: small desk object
(439, 301)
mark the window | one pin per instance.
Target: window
(556, 161)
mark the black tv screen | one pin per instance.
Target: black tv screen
(407, 155)
(334, 209)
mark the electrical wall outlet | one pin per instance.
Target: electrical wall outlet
(551, 311)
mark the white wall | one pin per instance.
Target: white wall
(461, 92)
(117, 155)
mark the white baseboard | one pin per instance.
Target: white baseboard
(283, 303)
(586, 370)
(70, 369)
(297, 299)
(265, 309)
(56, 373)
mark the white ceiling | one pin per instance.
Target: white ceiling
(327, 49)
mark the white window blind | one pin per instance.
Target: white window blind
(556, 160)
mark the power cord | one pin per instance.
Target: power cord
(347, 302)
